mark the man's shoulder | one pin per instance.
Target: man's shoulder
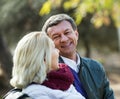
(91, 63)
(89, 60)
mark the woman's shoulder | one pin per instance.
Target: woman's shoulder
(37, 91)
(40, 91)
(35, 88)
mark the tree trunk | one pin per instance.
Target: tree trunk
(87, 47)
(5, 64)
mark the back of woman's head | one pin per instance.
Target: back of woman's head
(32, 59)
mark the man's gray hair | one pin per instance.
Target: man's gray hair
(56, 19)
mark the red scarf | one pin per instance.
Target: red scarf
(59, 79)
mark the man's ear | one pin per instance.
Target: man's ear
(77, 34)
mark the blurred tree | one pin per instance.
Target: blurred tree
(5, 64)
(16, 18)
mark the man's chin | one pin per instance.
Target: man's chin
(65, 54)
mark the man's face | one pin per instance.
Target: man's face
(64, 37)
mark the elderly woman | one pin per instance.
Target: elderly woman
(37, 72)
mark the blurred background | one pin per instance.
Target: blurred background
(98, 24)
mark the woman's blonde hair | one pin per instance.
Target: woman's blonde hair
(32, 59)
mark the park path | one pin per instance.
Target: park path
(116, 89)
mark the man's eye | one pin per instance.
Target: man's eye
(55, 37)
(67, 33)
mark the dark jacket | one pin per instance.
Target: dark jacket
(93, 78)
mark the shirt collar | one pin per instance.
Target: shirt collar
(71, 63)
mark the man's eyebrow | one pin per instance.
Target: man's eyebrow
(67, 29)
(56, 34)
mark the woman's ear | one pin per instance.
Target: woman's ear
(44, 60)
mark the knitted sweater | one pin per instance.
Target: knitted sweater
(59, 79)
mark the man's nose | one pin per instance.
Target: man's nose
(64, 38)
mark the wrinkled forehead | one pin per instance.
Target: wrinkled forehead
(59, 28)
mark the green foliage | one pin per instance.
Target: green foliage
(101, 10)
(46, 8)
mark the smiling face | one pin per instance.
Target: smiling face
(64, 37)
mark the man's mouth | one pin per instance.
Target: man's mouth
(66, 45)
